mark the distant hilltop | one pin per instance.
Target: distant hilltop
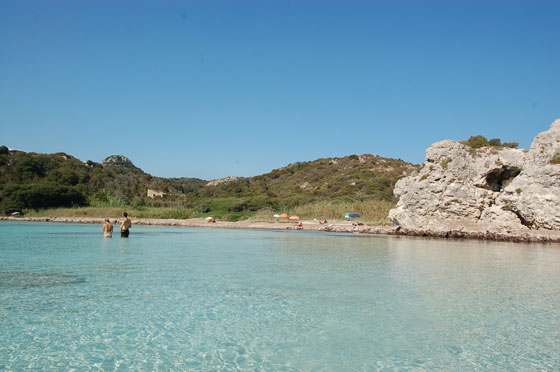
(119, 161)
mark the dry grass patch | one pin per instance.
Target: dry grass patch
(372, 212)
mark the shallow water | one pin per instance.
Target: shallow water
(228, 300)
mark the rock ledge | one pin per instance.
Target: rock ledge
(489, 190)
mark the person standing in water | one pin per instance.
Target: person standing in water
(125, 226)
(107, 229)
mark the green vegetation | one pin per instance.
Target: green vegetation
(65, 186)
(555, 159)
(372, 211)
(38, 181)
(41, 196)
(479, 141)
(519, 191)
(445, 162)
(111, 212)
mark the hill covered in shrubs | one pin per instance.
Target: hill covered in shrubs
(32, 181)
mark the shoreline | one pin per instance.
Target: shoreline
(537, 236)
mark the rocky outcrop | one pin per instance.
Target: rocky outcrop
(118, 161)
(493, 188)
(534, 195)
(222, 180)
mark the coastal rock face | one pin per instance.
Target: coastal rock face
(534, 195)
(491, 188)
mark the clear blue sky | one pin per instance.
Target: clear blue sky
(209, 88)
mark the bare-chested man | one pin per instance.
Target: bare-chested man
(125, 226)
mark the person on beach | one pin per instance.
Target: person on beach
(107, 229)
(125, 226)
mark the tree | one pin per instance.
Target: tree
(512, 145)
(18, 197)
(476, 142)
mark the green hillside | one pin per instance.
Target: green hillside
(38, 181)
(31, 181)
(347, 178)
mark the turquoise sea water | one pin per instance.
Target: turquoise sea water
(175, 299)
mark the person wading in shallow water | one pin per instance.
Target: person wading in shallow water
(125, 226)
(107, 229)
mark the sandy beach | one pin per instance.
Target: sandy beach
(537, 236)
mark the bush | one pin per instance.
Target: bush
(511, 145)
(479, 141)
(18, 197)
(102, 199)
(476, 142)
(139, 201)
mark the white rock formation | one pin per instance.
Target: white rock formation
(222, 180)
(490, 188)
(534, 195)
